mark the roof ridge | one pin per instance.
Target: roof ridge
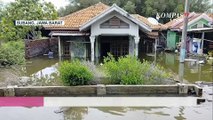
(84, 9)
(160, 26)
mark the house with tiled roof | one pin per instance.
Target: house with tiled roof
(99, 29)
(199, 30)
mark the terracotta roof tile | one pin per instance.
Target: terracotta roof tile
(210, 15)
(76, 19)
(189, 19)
(144, 20)
(178, 22)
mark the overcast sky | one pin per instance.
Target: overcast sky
(57, 3)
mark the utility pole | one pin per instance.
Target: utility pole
(183, 42)
(184, 33)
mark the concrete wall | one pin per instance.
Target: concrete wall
(35, 48)
(78, 49)
(56, 91)
(172, 39)
(103, 90)
(141, 90)
(1, 92)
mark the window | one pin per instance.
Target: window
(114, 22)
(194, 26)
(205, 26)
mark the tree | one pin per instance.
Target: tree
(63, 11)
(145, 8)
(24, 10)
(152, 6)
(200, 6)
(130, 7)
(1, 8)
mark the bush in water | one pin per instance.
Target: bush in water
(12, 53)
(74, 73)
(130, 71)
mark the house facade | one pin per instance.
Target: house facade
(199, 30)
(100, 29)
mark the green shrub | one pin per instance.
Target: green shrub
(210, 53)
(74, 73)
(130, 71)
(12, 52)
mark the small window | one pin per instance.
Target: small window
(194, 26)
(114, 22)
(206, 26)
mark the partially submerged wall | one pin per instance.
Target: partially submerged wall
(38, 47)
(104, 90)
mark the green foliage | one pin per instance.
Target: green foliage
(152, 7)
(210, 53)
(200, 6)
(130, 7)
(24, 10)
(74, 73)
(145, 8)
(130, 71)
(12, 52)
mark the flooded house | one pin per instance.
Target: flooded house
(93, 32)
(199, 37)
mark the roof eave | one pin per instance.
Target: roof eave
(61, 28)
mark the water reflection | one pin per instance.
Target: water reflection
(149, 113)
(34, 113)
(42, 71)
(181, 114)
(74, 113)
(193, 71)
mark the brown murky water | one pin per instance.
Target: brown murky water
(202, 112)
(43, 71)
(193, 71)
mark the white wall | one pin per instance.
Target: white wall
(133, 29)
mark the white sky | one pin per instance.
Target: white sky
(57, 3)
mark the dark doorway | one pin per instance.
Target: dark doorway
(116, 45)
(105, 48)
(66, 49)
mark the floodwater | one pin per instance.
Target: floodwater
(40, 71)
(199, 112)
(193, 71)
(43, 71)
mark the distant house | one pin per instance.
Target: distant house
(94, 31)
(198, 25)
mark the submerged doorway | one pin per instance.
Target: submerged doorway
(116, 45)
(105, 49)
(66, 49)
